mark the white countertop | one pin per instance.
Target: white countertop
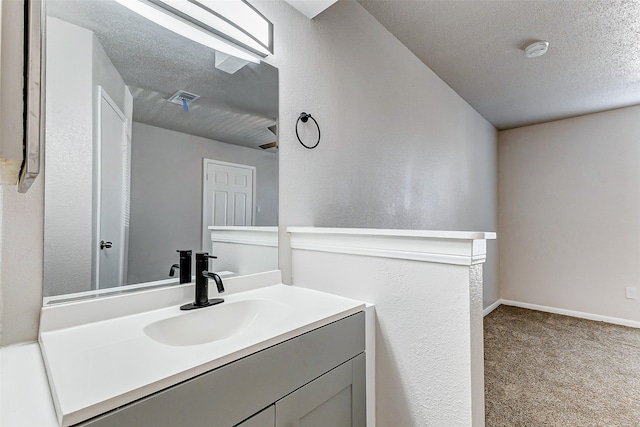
(25, 399)
(99, 366)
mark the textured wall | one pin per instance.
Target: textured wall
(477, 344)
(423, 332)
(399, 148)
(21, 229)
(76, 66)
(570, 213)
(106, 75)
(20, 214)
(69, 158)
(166, 194)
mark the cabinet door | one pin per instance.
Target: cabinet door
(335, 399)
(266, 418)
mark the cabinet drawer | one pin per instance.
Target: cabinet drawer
(232, 393)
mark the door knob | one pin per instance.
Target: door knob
(106, 245)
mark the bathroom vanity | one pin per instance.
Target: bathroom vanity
(319, 375)
(269, 355)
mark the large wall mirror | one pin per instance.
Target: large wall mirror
(131, 174)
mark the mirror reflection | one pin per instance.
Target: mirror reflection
(150, 149)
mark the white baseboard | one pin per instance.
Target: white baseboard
(491, 308)
(572, 313)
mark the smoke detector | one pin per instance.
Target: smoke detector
(536, 49)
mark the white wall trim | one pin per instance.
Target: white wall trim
(492, 307)
(573, 313)
(257, 236)
(446, 247)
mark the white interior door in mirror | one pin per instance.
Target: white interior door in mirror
(114, 147)
(228, 196)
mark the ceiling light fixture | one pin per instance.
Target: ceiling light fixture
(234, 20)
(189, 19)
(536, 49)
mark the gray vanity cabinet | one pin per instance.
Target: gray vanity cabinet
(335, 399)
(266, 418)
(314, 379)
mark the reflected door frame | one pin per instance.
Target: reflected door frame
(206, 210)
(123, 232)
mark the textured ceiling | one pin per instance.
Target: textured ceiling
(476, 47)
(155, 63)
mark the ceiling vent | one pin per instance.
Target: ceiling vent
(182, 96)
(273, 144)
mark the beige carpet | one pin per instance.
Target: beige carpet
(544, 369)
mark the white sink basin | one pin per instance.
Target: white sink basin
(140, 353)
(217, 322)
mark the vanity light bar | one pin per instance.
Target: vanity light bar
(187, 29)
(244, 16)
(234, 20)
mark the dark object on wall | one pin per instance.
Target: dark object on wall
(304, 117)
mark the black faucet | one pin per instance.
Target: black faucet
(202, 283)
(184, 266)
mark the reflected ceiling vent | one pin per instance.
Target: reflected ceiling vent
(273, 144)
(184, 98)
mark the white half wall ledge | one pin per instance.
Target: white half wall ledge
(445, 247)
(311, 8)
(427, 289)
(248, 235)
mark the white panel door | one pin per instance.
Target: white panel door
(113, 190)
(228, 196)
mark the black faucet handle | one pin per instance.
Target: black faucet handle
(203, 255)
(173, 269)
